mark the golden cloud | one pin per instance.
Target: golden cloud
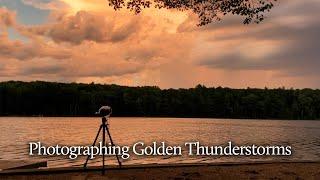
(87, 41)
(7, 17)
(87, 26)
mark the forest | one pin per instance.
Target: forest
(77, 99)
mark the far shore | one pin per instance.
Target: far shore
(263, 170)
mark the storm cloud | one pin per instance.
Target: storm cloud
(292, 39)
(86, 26)
(86, 41)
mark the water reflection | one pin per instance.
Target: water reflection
(17, 132)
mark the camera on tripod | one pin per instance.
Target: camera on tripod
(104, 111)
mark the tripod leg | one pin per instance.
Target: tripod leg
(107, 128)
(94, 142)
(103, 144)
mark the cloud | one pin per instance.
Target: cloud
(28, 50)
(287, 44)
(87, 26)
(50, 5)
(67, 69)
(7, 17)
(87, 42)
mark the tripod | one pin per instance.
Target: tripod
(104, 127)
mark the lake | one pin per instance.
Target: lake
(17, 132)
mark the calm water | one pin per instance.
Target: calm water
(17, 132)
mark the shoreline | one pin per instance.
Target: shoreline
(258, 170)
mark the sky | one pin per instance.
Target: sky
(87, 41)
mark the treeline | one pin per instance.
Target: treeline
(60, 99)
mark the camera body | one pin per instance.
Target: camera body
(104, 111)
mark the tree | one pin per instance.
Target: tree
(207, 10)
(59, 99)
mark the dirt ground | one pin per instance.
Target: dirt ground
(239, 171)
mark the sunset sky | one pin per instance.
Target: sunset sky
(87, 41)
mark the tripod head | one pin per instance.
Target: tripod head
(104, 111)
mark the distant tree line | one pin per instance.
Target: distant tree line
(61, 99)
